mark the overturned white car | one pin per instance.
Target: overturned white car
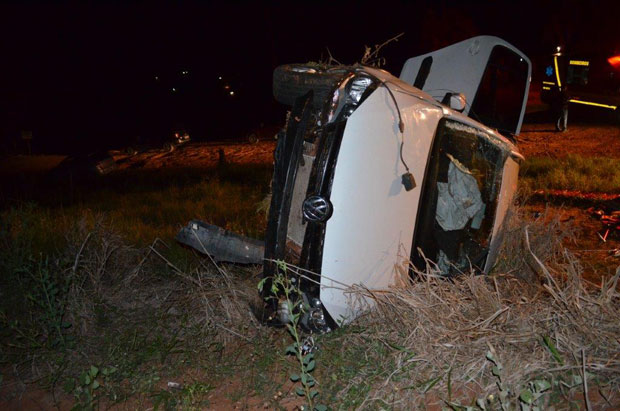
(375, 173)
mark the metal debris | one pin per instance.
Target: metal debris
(220, 244)
(610, 220)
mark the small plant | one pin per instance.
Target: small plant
(528, 399)
(288, 288)
(497, 371)
(190, 396)
(48, 294)
(85, 388)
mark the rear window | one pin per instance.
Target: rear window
(499, 99)
(577, 72)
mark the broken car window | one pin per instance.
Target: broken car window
(459, 199)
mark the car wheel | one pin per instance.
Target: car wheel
(169, 147)
(291, 81)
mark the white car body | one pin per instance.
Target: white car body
(370, 235)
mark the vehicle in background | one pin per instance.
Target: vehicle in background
(176, 138)
(377, 174)
(179, 137)
(585, 79)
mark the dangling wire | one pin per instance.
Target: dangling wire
(401, 125)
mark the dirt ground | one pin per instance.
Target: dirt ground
(589, 140)
(198, 155)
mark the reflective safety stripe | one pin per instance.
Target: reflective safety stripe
(579, 63)
(551, 83)
(557, 73)
(546, 88)
(589, 103)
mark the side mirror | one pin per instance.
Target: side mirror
(456, 101)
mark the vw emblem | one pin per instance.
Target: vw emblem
(317, 209)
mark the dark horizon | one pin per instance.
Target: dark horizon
(90, 76)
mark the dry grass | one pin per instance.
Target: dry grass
(547, 234)
(126, 307)
(423, 343)
(110, 273)
(445, 328)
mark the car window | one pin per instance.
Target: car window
(500, 96)
(577, 72)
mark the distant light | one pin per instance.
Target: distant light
(185, 72)
(614, 61)
(226, 87)
(219, 78)
(174, 89)
(232, 93)
(558, 48)
(156, 78)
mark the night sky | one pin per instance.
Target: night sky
(82, 76)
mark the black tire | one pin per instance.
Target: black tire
(252, 138)
(291, 81)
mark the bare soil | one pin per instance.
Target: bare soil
(198, 155)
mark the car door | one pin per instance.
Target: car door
(492, 74)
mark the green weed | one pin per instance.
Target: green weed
(288, 288)
(86, 387)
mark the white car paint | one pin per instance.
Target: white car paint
(458, 68)
(364, 243)
(370, 233)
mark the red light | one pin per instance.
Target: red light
(614, 61)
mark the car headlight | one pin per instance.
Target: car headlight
(349, 95)
(357, 88)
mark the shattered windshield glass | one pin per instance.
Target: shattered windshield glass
(460, 193)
